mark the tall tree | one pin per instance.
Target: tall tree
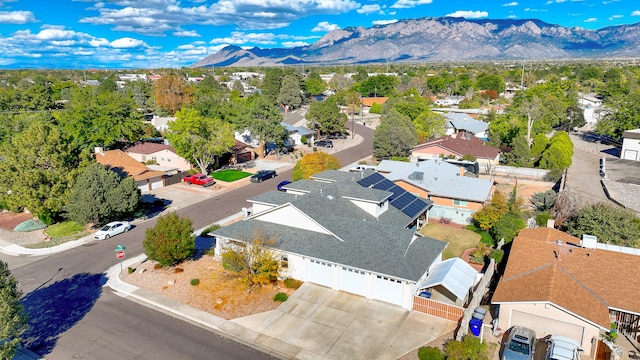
(290, 93)
(326, 116)
(313, 163)
(314, 84)
(264, 119)
(37, 169)
(100, 195)
(199, 138)
(395, 136)
(171, 93)
(610, 223)
(379, 85)
(12, 315)
(271, 84)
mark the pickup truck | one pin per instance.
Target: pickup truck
(360, 168)
(199, 179)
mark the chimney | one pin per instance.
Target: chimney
(98, 150)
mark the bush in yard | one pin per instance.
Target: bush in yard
(232, 260)
(195, 282)
(209, 229)
(255, 262)
(507, 227)
(290, 283)
(496, 255)
(542, 217)
(470, 348)
(430, 353)
(170, 241)
(280, 297)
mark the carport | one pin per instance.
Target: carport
(450, 281)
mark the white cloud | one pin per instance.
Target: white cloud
(292, 44)
(325, 26)
(239, 37)
(635, 13)
(589, 20)
(186, 33)
(613, 17)
(127, 43)
(468, 14)
(368, 9)
(384, 22)
(16, 17)
(406, 4)
(513, 3)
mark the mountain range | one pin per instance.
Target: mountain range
(443, 39)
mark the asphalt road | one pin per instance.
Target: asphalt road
(73, 316)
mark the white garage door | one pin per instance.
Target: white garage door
(143, 187)
(353, 281)
(156, 184)
(320, 273)
(389, 290)
(544, 326)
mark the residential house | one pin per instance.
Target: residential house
(554, 283)
(296, 133)
(457, 146)
(591, 105)
(164, 156)
(342, 231)
(463, 124)
(367, 102)
(124, 165)
(631, 145)
(455, 196)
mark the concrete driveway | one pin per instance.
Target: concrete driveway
(320, 323)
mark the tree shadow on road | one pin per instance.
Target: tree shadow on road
(54, 309)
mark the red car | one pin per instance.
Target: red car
(199, 179)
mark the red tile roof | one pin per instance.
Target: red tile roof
(125, 165)
(368, 101)
(147, 148)
(587, 282)
(459, 145)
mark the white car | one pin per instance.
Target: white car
(562, 348)
(112, 229)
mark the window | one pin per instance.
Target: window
(168, 160)
(154, 158)
(284, 261)
(459, 203)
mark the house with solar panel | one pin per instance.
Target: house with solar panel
(354, 232)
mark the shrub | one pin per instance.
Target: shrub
(232, 260)
(542, 217)
(211, 252)
(430, 353)
(485, 237)
(280, 297)
(507, 227)
(469, 348)
(303, 139)
(130, 270)
(478, 253)
(209, 229)
(170, 241)
(157, 266)
(195, 282)
(400, 158)
(292, 283)
(497, 255)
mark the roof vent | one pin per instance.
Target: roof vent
(559, 242)
(418, 175)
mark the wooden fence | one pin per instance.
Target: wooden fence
(438, 309)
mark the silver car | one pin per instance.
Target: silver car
(562, 348)
(112, 229)
(520, 345)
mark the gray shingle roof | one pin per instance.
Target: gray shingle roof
(466, 122)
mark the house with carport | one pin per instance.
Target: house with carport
(342, 231)
(455, 196)
(555, 283)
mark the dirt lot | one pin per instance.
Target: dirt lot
(218, 292)
(525, 188)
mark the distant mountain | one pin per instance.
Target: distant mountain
(443, 39)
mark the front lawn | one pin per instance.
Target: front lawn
(60, 233)
(459, 239)
(230, 175)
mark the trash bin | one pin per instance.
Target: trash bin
(475, 326)
(479, 313)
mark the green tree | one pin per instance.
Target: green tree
(313, 163)
(492, 212)
(622, 114)
(290, 93)
(255, 262)
(314, 84)
(520, 154)
(379, 85)
(507, 226)
(326, 114)
(429, 125)
(574, 118)
(171, 93)
(12, 314)
(360, 75)
(410, 106)
(271, 84)
(395, 136)
(264, 119)
(100, 195)
(540, 143)
(544, 201)
(237, 86)
(170, 241)
(490, 82)
(37, 169)
(610, 223)
(200, 139)
(470, 348)
(559, 152)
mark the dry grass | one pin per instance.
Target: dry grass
(459, 238)
(219, 291)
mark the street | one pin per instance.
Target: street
(73, 316)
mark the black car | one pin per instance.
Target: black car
(262, 175)
(323, 143)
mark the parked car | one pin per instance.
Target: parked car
(562, 348)
(520, 344)
(112, 229)
(360, 168)
(337, 135)
(282, 184)
(323, 143)
(199, 179)
(262, 175)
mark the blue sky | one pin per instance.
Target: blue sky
(86, 34)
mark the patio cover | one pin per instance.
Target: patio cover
(454, 274)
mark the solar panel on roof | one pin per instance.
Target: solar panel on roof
(384, 184)
(370, 180)
(403, 200)
(397, 191)
(414, 208)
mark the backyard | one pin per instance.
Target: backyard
(458, 237)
